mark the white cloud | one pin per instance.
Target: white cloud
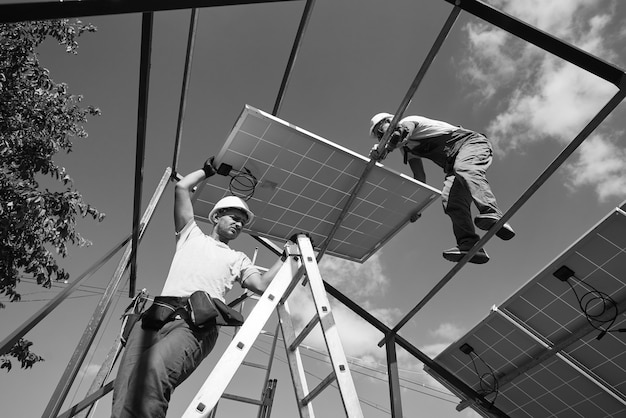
(543, 96)
(448, 331)
(354, 279)
(600, 163)
(562, 101)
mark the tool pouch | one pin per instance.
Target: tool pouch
(162, 310)
(204, 311)
(228, 315)
(201, 309)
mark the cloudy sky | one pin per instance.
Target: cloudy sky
(357, 58)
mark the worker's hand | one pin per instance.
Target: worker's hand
(377, 155)
(209, 168)
(397, 138)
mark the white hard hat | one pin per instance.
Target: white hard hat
(377, 119)
(232, 202)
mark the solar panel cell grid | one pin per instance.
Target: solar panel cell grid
(584, 377)
(305, 182)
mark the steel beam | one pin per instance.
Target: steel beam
(306, 14)
(193, 23)
(19, 12)
(543, 40)
(393, 376)
(140, 152)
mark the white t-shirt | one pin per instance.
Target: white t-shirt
(203, 263)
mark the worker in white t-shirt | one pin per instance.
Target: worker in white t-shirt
(167, 347)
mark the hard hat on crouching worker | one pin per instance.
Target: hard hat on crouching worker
(376, 119)
(235, 203)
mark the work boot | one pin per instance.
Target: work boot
(455, 255)
(485, 221)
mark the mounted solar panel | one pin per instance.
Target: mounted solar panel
(557, 347)
(303, 182)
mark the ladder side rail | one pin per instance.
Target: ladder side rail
(294, 360)
(267, 410)
(329, 330)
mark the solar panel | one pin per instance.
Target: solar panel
(555, 345)
(304, 182)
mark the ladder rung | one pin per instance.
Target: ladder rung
(303, 334)
(257, 365)
(241, 399)
(316, 390)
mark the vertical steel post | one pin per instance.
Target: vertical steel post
(142, 119)
(395, 399)
(183, 93)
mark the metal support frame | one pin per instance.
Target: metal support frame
(304, 20)
(60, 393)
(142, 121)
(394, 379)
(30, 323)
(543, 40)
(405, 103)
(87, 402)
(193, 23)
(18, 12)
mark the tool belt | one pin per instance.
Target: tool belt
(163, 310)
(200, 310)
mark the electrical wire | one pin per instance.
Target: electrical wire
(242, 184)
(486, 388)
(593, 300)
(354, 363)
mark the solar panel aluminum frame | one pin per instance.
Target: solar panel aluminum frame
(304, 182)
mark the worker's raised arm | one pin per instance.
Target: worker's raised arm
(183, 208)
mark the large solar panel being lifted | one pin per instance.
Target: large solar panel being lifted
(556, 347)
(304, 182)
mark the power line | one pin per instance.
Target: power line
(367, 402)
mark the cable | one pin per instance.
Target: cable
(242, 184)
(486, 388)
(592, 300)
